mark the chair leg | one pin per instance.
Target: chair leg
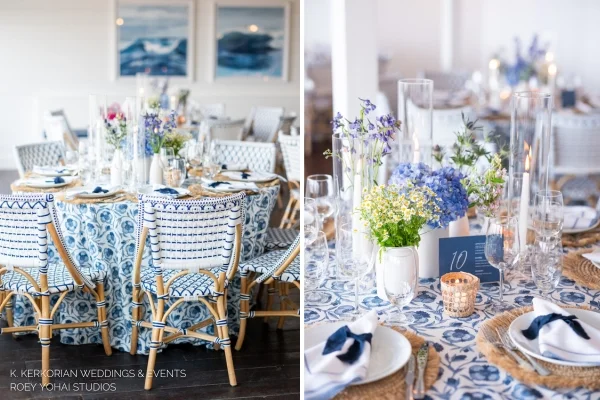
(222, 311)
(135, 316)
(45, 336)
(154, 345)
(9, 313)
(244, 308)
(270, 295)
(283, 288)
(102, 318)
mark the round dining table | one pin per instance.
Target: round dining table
(464, 372)
(102, 235)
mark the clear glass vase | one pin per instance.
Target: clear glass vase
(415, 110)
(529, 159)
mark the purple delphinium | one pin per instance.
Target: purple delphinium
(155, 129)
(446, 182)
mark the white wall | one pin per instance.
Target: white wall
(55, 53)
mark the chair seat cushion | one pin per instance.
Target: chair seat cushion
(59, 279)
(292, 273)
(191, 284)
(278, 238)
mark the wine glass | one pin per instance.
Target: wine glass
(166, 155)
(311, 222)
(502, 250)
(356, 258)
(320, 188)
(548, 217)
(316, 258)
(400, 280)
(174, 173)
(547, 267)
(71, 158)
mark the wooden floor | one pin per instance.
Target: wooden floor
(267, 367)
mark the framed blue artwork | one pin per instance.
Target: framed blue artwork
(251, 40)
(154, 37)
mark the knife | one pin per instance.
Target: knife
(422, 356)
(410, 377)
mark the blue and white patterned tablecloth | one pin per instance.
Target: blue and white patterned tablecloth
(465, 374)
(102, 235)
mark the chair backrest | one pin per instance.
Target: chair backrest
(447, 81)
(253, 155)
(447, 122)
(43, 153)
(225, 129)
(69, 136)
(264, 122)
(283, 262)
(212, 110)
(192, 234)
(25, 221)
(286, 123)
(292, 156)
(575, 144)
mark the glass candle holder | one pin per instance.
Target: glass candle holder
(415, 110)
(459, 290)
(529, 158)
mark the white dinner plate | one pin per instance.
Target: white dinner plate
(87, 193)
(580, 230)
(531, 347)
(228, 186)
(53, 171)
(45, 183)
(252, 176)
(390, 350)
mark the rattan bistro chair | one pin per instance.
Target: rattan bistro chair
(25, 222)
(195, 246)
(281, 267)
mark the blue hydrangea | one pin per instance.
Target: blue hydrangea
(453, 199)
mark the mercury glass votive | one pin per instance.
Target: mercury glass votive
(459, 290)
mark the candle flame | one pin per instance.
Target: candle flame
(552, 69)
(494, 63)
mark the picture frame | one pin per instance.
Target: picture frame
(170, 26)
(275, 65)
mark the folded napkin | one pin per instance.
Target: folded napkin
(593, 257)
(580, 217)
(58, 179)
(231, 185)
(167, 190)
(245, 175)
(98, 189)
(562, 335)
(233, 167)
(218, 183)
(343, 359)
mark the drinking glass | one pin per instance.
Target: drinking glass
(311, 222)
(174, 173)
(357, 258)
(400, 280)
(316, 258)
(547, 267)
(209, 168)
(320, 187)
(166, 155)
(502, 250)
(195, 151)
(71, 158)
(549, 213)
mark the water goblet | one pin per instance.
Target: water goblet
(316, 258)
(400, 280)
(548, 214)
(547, 265)
(320, 187)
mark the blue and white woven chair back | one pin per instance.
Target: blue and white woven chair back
(253, 155)
(266, 122)
(43, 153)
(292, 156)
(274, 268)
(192, 234)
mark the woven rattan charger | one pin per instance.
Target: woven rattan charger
(561, 377)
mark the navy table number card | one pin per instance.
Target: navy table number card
(467, 254)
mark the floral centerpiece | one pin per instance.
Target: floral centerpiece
(446, 183)
(525, 66)
(485, 189)
(395, 216)
(157, 127)
(116, 130)
(176, 140)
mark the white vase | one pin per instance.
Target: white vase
(460, 227)
(116, 168)
(156, 170)
(429, 251)
(399, 264)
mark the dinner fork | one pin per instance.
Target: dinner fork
(509, 350)
(507, 340)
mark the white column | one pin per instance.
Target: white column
(447, 31)
(354, 62)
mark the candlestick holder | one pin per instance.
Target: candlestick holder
(529, 159)
(459, 290)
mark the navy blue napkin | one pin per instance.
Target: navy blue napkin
(166, 191)
(218, 183)
(98, 189)
(58, 179)
(533, 331)
(336, 341)
(245, 175)
(224, 166)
